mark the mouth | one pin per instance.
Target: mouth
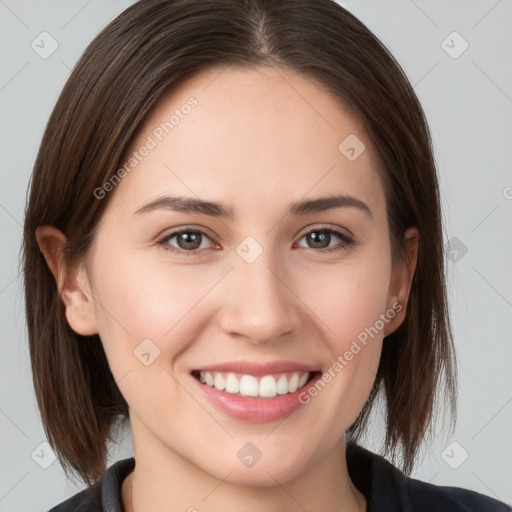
(257, 387)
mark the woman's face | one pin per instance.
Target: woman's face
(255, 290)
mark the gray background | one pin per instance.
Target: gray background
(468, 102)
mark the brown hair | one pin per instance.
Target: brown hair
(153, 46)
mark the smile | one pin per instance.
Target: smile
(255, 393)
(266, 386)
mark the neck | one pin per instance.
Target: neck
(162, 480)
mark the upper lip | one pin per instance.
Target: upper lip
(258, 369)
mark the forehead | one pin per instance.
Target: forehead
(243, 135)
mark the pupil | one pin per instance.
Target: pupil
(319, 237)
(189, 238)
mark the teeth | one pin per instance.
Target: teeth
(249, 386)
(293, 383)
(303, 380)
(219, 382)
(267, 386)
(232, 384)
(282, 385)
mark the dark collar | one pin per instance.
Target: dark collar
(385, 488)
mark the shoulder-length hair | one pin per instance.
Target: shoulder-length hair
(153, 46)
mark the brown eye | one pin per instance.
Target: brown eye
(318, 239)
(321, 238)
(188, 241)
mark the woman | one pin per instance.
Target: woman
(233, 241)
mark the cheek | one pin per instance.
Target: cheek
(350, 301)
(146, 299)
(348, 297)
(146, 318)
(150, 313)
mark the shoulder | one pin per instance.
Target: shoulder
(424, 496)
(388, 489)
(88, 500)
(104, 495)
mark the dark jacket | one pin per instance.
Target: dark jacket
(386, 490)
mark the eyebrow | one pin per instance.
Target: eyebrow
(214, 209)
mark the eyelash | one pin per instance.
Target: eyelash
(346, 240)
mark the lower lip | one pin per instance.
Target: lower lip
(255, 410)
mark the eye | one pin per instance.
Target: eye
(320, 238)
(188, 241)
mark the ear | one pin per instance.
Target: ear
(72, 282)
(401, 280)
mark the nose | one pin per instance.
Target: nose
(260, 305)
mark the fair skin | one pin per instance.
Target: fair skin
(257, 141)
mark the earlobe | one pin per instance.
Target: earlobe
(401, 281)
(72, 282)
